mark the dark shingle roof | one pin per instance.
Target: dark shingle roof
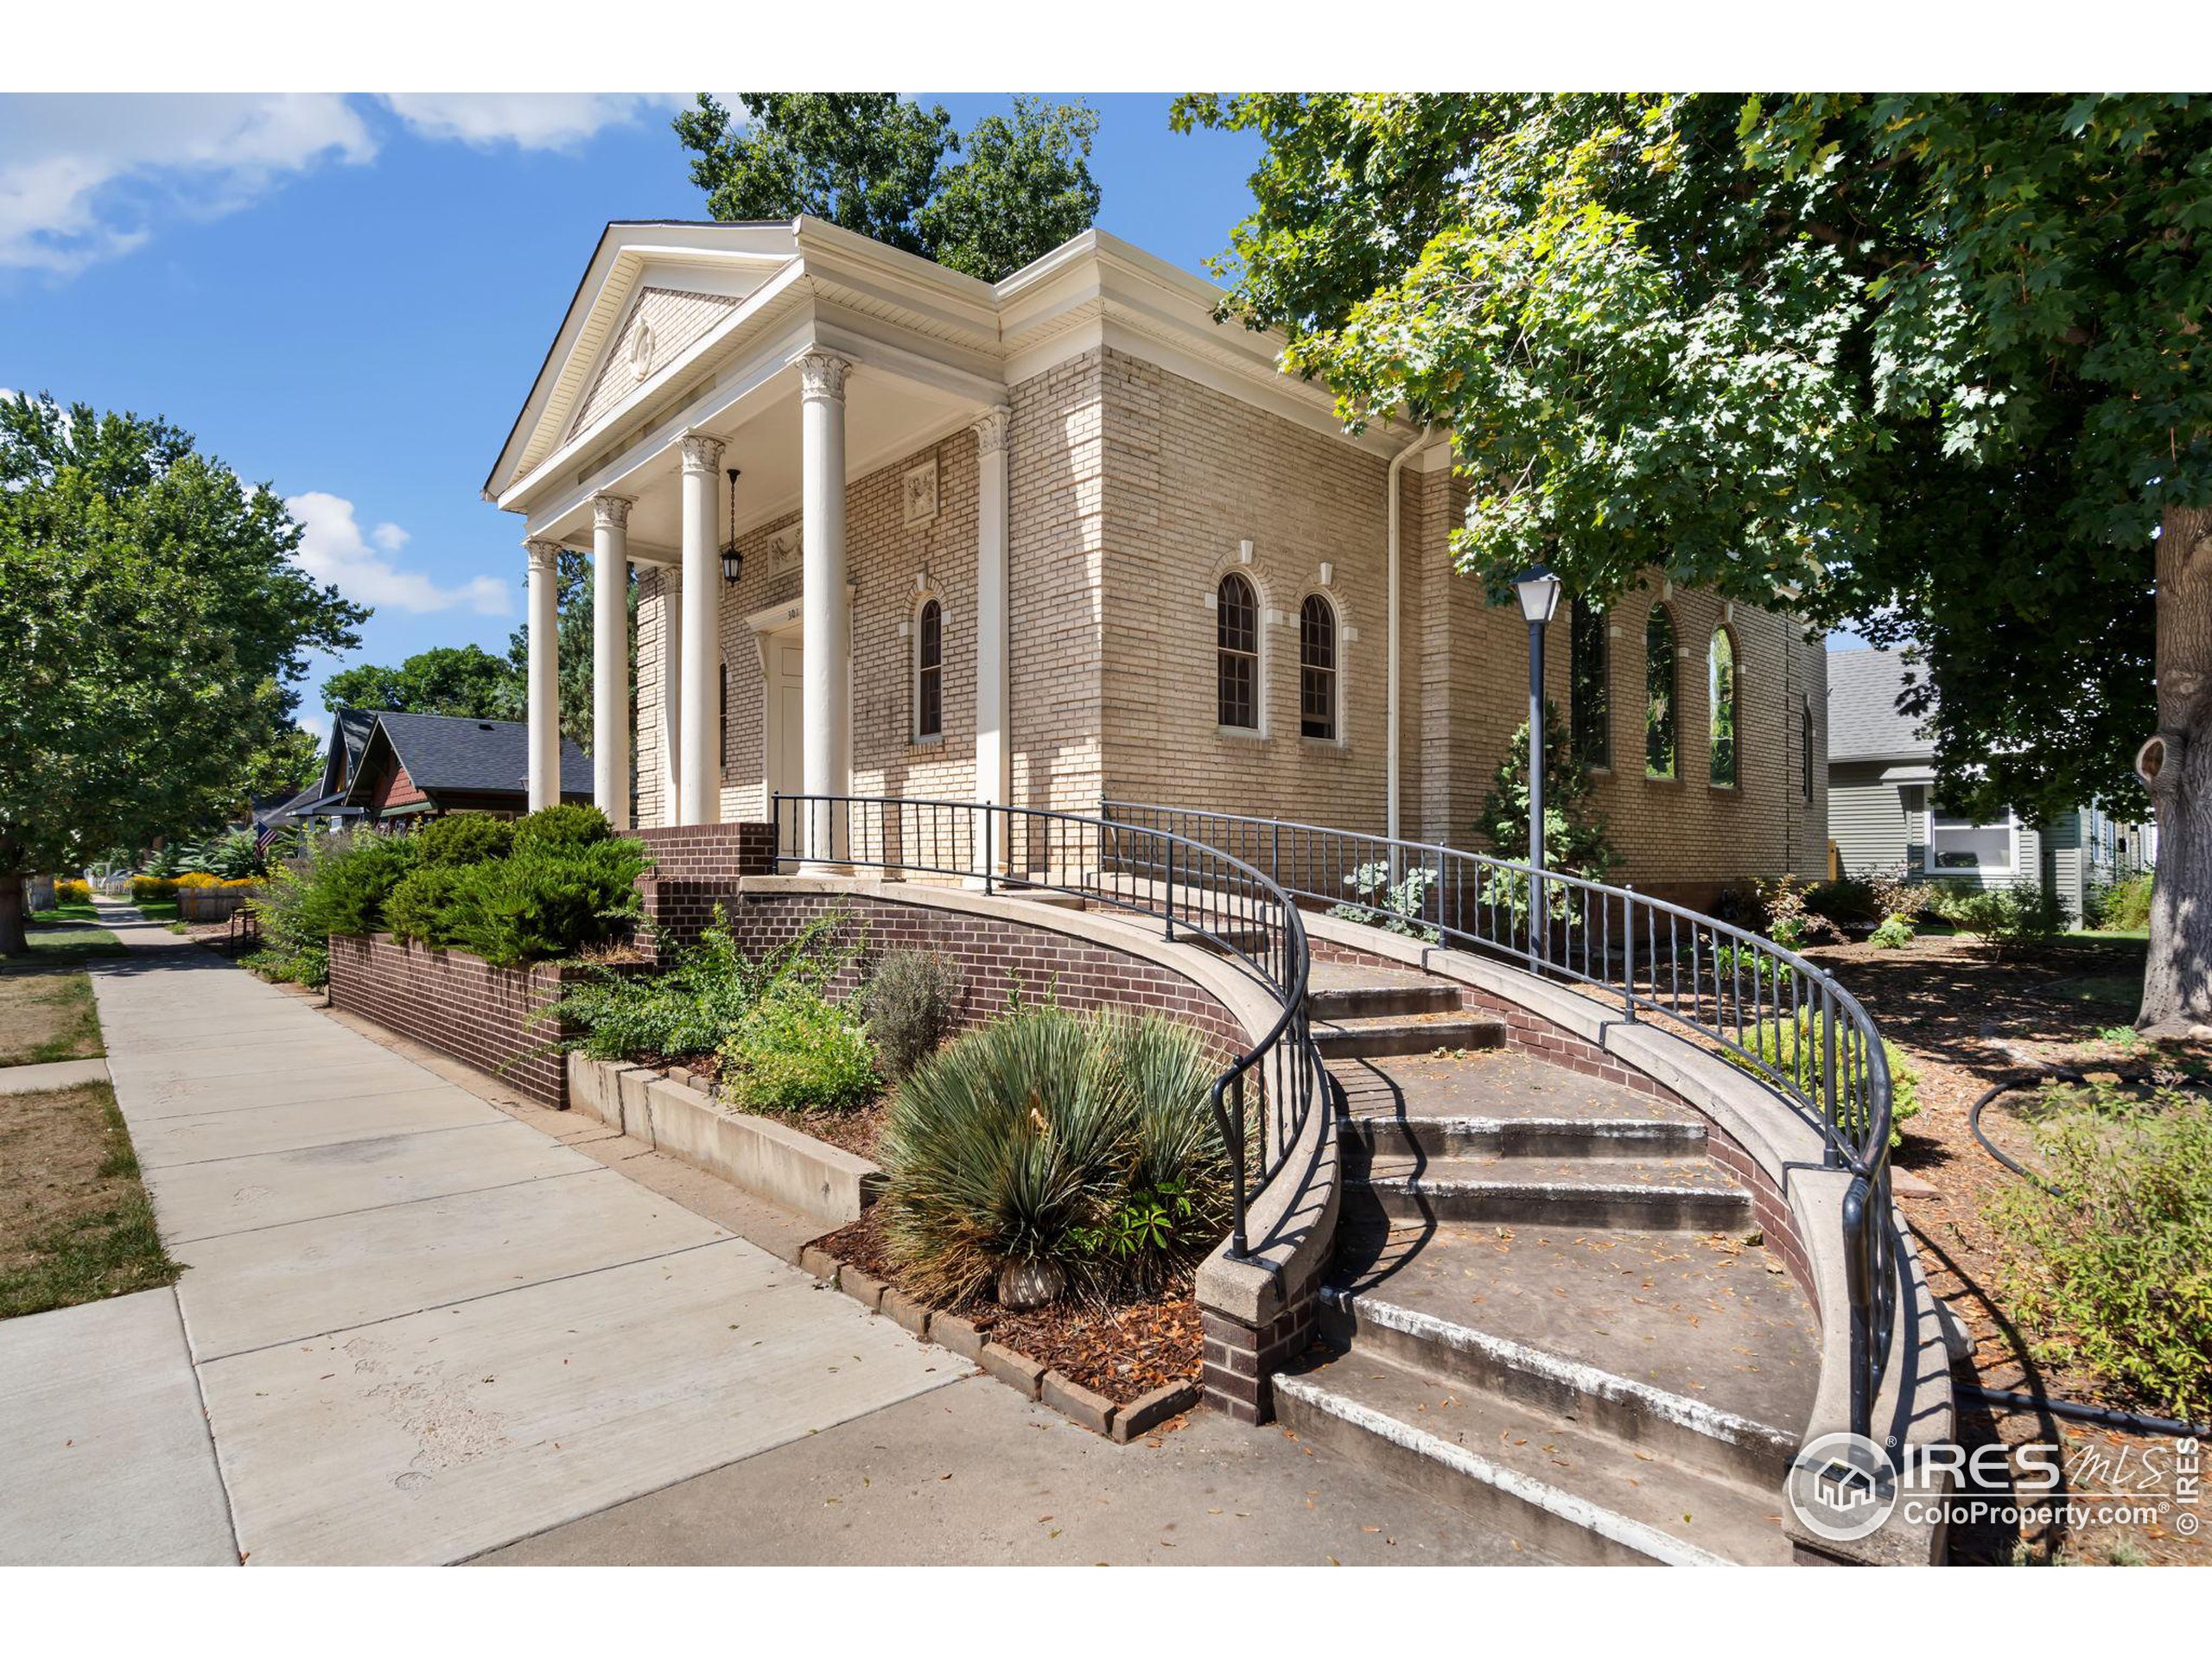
(441, 751)
(1864, 723)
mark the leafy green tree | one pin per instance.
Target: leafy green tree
(1934, 363)
(879, 164)
(575, 594)
(467, 681)
(153, 624)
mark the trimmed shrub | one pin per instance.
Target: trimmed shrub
(1086, 1145)
(561, 828)
(464, 838)
(694, 1005)
(2111, 1265)
(419, 908)
(72, 890)
(2005, 918)
(1794, 1049)
(347, 887)
(149, 888)
(797, 1051)
(909, 1003)
(538, 903)
(1894, 934)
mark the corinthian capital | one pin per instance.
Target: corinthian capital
(543, 555)
(610, 512)
(991, 432)
(702, 454)
(822, 375)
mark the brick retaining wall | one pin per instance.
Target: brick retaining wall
(459, 1005)
(696, 866)
(996, 956)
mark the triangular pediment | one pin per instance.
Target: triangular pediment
(660, 326)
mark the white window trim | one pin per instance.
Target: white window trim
(1928, 867)
(1340, 681)
(1265, 620)
(912, 629)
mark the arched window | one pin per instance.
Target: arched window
(1237, 652)
(1720, 703)
(1317, 668)
(929, 673)
(1591, 686)
(1805, 748)
(1659, 694)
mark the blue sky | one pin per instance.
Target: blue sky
(347, 297)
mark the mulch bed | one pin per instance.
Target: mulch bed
(856, 1131)
(1969, 1022)
(1121, 1349)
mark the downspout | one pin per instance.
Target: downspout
(1392, 677)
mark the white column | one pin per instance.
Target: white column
(994, 740)
(699, 782)
(671, 686)
(544, 674)
(610, 658)
(826, 617)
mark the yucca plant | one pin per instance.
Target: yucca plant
(1080, 1147)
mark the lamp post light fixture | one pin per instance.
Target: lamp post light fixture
(1538, 590)
(732, 560)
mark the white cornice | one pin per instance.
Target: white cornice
(925, 322)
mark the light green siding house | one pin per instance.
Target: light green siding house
(1884, 813)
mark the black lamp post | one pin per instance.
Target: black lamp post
(1538, 589)
(732, 560)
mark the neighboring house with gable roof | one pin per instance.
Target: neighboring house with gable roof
(1884, 813)
(426, 766)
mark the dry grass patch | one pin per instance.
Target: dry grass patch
(47, 1015)
(75, 1226)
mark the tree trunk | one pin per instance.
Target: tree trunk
(2175, 766)
(12, 942)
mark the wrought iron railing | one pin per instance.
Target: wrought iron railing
(1768, 1009)
(1194, 892)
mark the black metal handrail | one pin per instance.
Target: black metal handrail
(1793, 1026)
(1196, 893)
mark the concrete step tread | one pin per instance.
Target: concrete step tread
(1494, 1084)
(1641, 1503)
(1648, 1173)
(1697, 1317)
(1401, 1035)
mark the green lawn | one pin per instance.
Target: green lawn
(158, 910)
(68, 933)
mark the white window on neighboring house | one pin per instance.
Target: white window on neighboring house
(1959, 846)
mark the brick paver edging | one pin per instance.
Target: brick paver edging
(1079, 1405)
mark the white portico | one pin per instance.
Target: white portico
(710, 380)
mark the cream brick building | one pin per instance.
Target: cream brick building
(1065, 539)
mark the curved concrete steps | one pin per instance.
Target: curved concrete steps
(1549, 1307)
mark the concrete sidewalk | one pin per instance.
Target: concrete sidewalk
(421, 1328)
(427, 1328)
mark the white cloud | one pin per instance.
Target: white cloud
(527, 120)
(334, 550)
(87, 177)
(314, 721)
